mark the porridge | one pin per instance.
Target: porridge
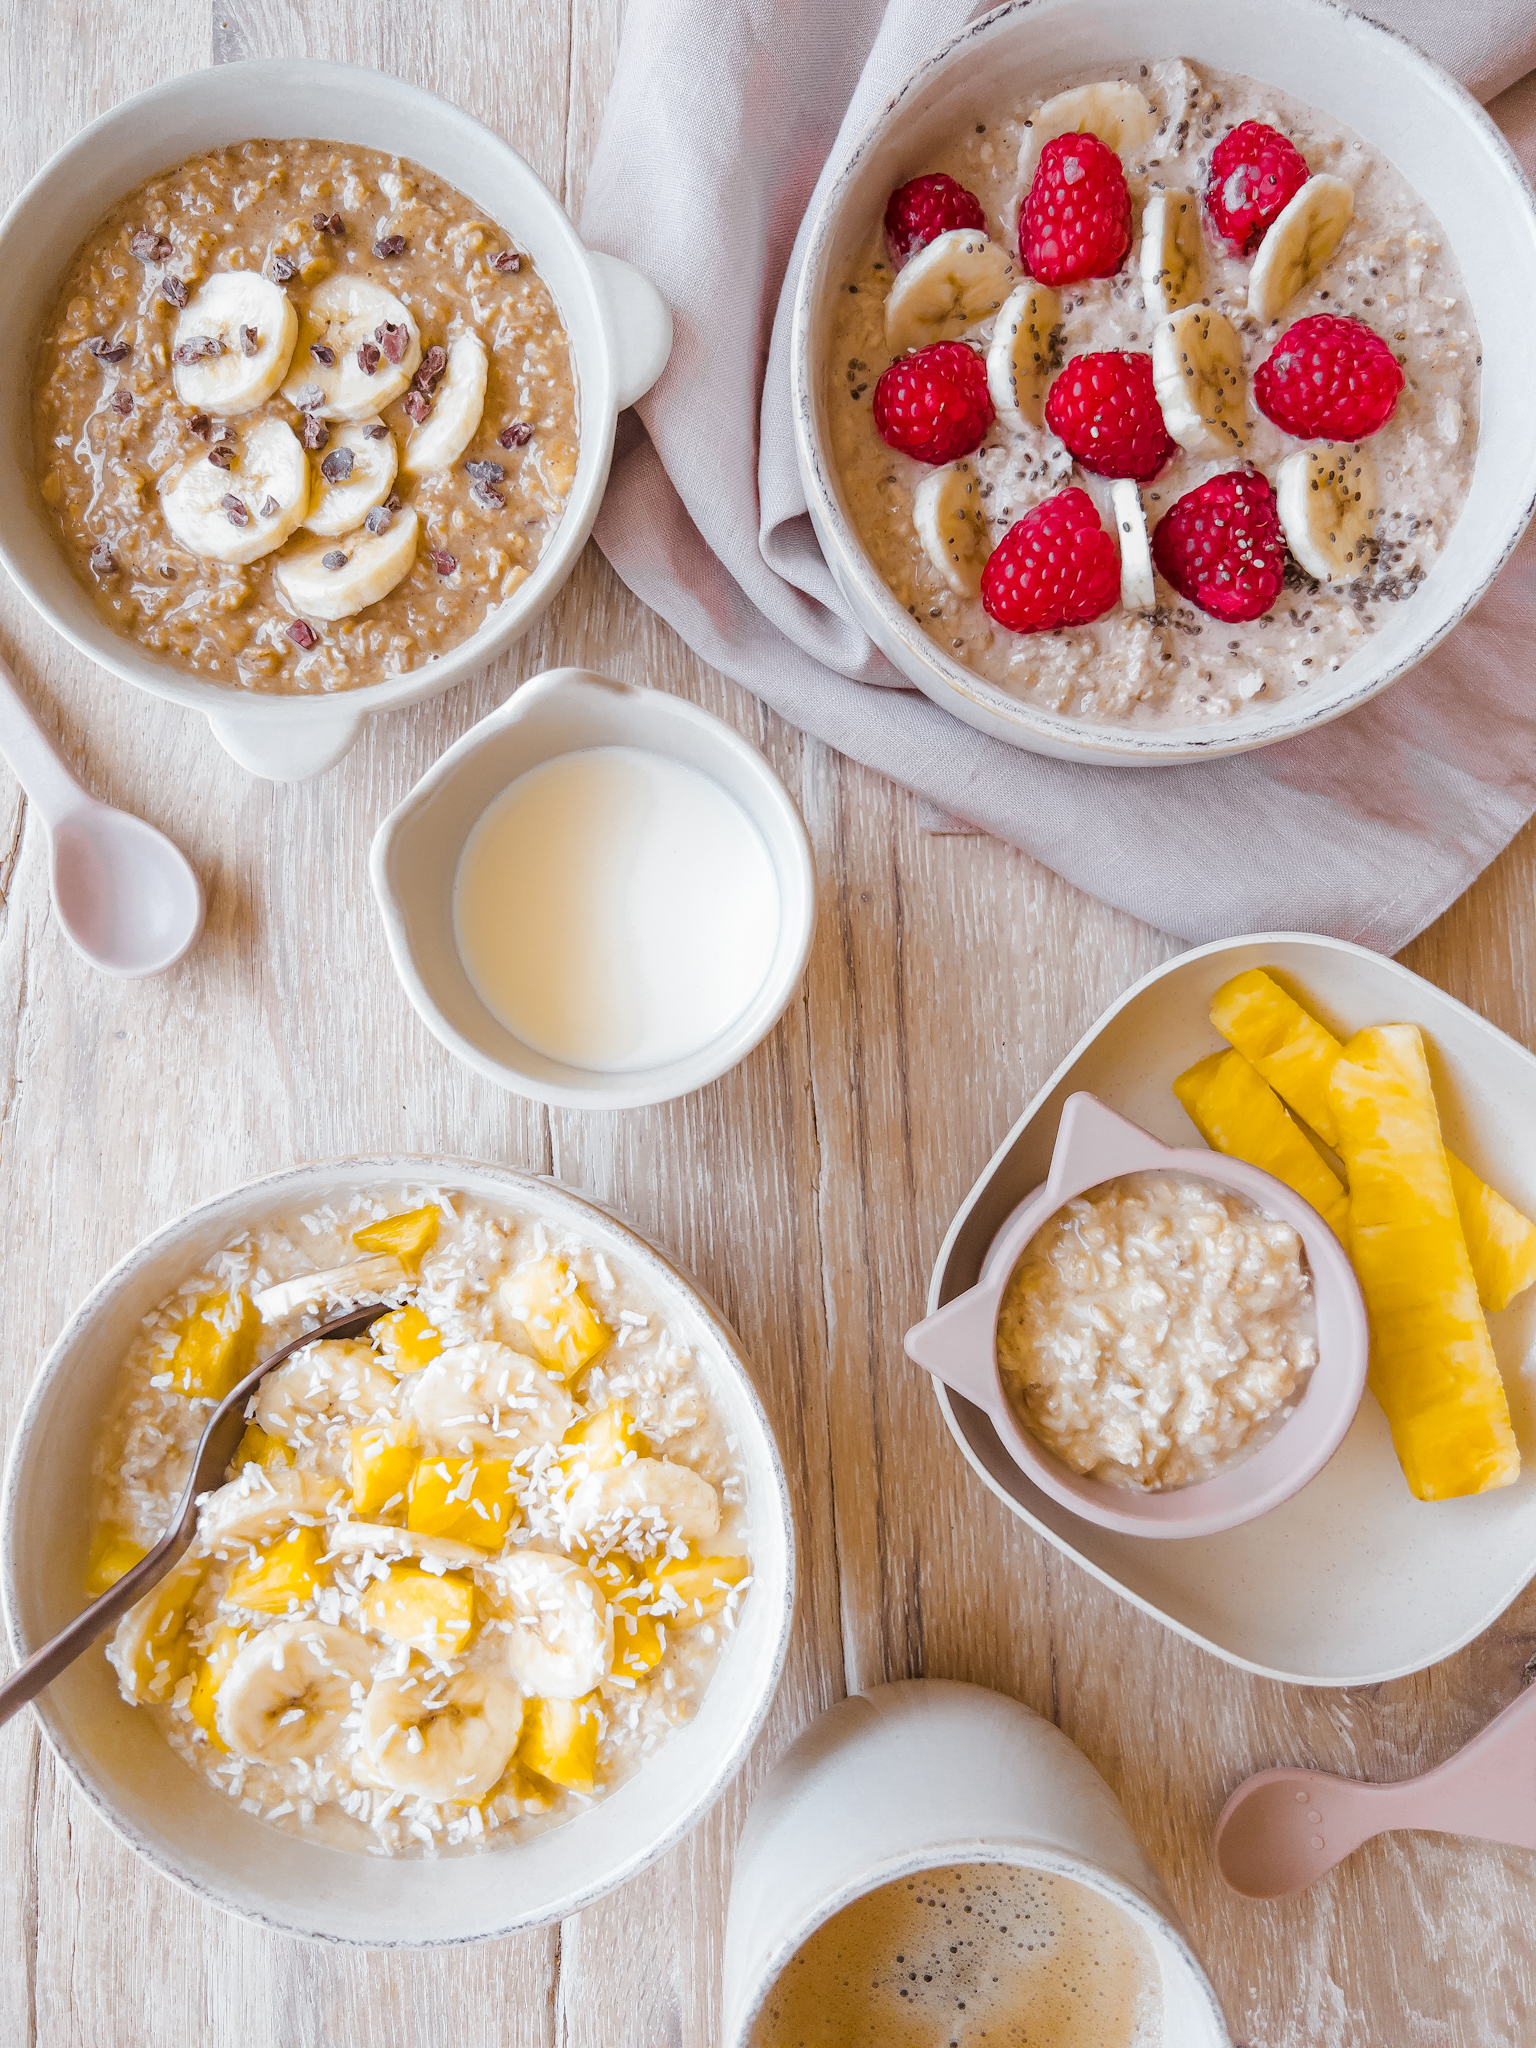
(1157, 1329)
(465, 1573)
(1154, 399)
(302, 416)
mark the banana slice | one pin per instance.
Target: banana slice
(1138, 592)
(352, 324)
(233, 343)
(149, 1650)
(487, 1397)
(450, 426)
(355, 1282)
(240, 513)
(313, 1402)
(290, 1688)
(1197, 373)
(332, 579)
(385, 1540)
(657, 1495)
(1117, 113)
(1019, 355)
(556, 1632)
(350, 476)
(1172, 253)
(1297, 245)
(960, 278)
(442, 1737)
(947, 514)
(1327, 500)
(260, 1502)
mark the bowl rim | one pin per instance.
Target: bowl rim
(517, 1182)
(594, 373)
(642, 1087)
(968, 695)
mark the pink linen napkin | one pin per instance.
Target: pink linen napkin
(724, 125)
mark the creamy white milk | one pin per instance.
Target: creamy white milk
(615, 909)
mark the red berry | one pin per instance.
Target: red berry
(1054, 567)
(1105, 408)
(1255, 172)
(925, 207)
(1220, 546)
(1076, 218)
(1328, 379)
(934, 403)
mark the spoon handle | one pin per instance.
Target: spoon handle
(39, 770)
(1488, 1788)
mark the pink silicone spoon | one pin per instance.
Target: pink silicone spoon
(127, 898)
(1283, 1830)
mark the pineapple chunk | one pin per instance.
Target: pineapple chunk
(257, 1448)
(639, 1644)
(384, 1456)
(431, 1611)
(112, 1554)
(282, 1571)
(1296, 1055)
(469, 1499)
(559, 1741)
(1238, 1113)
(549, 1306)
(614, 1573)
(214, 1347)
(407, 1340)
(697, 1585)
(207, 1676)
(1432, 1364)
(152, 1636)
(598, 1441)
(409, 1236)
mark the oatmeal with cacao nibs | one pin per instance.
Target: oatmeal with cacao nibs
(303, 416)
(1154, 397)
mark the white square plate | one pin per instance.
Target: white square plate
(1352, 1580)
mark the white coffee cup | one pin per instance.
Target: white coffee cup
(925, 1774)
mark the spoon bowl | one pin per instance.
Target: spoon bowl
(127, 898)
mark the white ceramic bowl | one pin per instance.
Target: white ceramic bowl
(416, 857)
(619, 327)
(1328, 57)
(916, 1776)
(139, 1786)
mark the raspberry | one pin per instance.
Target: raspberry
(925, 207)
(1105, 408)
(934, 403)
(1328, 379)
(1255, 172)
(1076, 217)
(1220, 546)
(1054, 567)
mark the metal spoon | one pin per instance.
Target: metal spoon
(126, 897)
(214, 1452)
(1283, 1830)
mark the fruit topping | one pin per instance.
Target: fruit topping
(1105, 409)
(1255, 172)
(934, 404)
(1220, 546)
(925, 207)
(1054, 567)
(1076, 218)
(1328, 378)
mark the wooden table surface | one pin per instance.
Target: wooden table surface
(808, 1190)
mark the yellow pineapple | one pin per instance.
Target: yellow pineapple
(409, 1236)
(257, 1448)
(431, 1611)
(699, 1585)
(384, 1456)
(559, 1741)
(601, 1440)
(468, 1499)
(153, 1643)
(614, 1573)
(639, 1643)
(282, 1571)
(112, 1554)
(549, 1308)
(207, 1676)
(215, 1347)
(1238, 1113)
(407, 1340)
(1432, 1364)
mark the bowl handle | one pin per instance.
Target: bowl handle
(957, 1344)
(639, 325)
(282, 751)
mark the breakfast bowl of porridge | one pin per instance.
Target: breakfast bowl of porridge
(319, 402)
(492, 1599)
(1167, 1347)
(1140, 360)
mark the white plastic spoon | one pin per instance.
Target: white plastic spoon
(127, 898)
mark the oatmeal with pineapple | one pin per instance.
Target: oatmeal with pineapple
(1157, 1330)
(1154, 398)
(465, 1573)
(303, 416)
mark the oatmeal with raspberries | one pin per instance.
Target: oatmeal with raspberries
(303, 416)
(467, 1571)
(1153, 399)
(1157, 1329)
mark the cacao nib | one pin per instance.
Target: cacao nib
(270, 509)
(417, 405)
(329, 224)
(507, 261)
(236, 508)
(174, 289)
(433, 364)
(150, 248)
(517, 435)
(337, 466)
(442, 561)
(302, 634)
(335, 559)
(487, 497)
(103, 561)
(368, 358)
(485, 472)
(377, 432)
(250, 341)
(380, 519)
(281, 268)
(107, 351)
(313, 432)
(393, 338)
(389, 245)
(121, 403)
(222, 455)
(323, 353)
(198, 346)
(309, 396)
(201, 425)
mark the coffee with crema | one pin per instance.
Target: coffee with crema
(979, 1953)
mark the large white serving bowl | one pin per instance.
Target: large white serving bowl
(143, 1790)
(1349, 69)
(619, 327)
